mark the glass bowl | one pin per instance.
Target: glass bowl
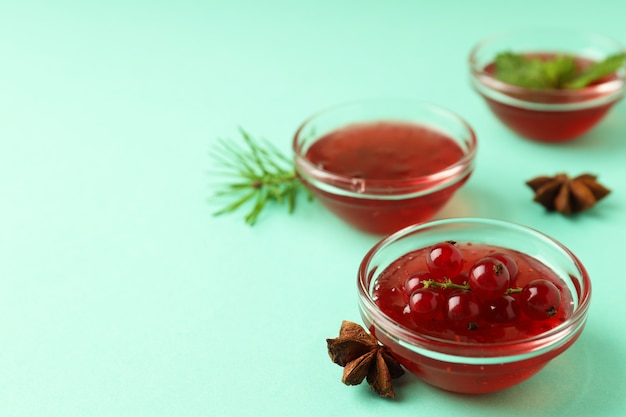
(465, 365)
(556, 115)
(364, 161)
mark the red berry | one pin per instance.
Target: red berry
(415, 281)
(390, 300)
(445, 260)
(462, 309)
(510, 264)
(426, 304)
(505, 309)
(452, 307)
(461, 279)
(540, 299)
(489, 278)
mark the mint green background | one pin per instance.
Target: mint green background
(121, 295)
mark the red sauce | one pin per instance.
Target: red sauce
(552, 126)
(387, 151)
(384, 151)
(390, 296)
(392, 301)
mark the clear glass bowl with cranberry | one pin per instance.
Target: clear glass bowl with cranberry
(381, 165)
(551, 115)
(472, 342)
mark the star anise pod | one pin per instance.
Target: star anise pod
(364, 358)
(567, 195)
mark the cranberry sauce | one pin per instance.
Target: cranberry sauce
(386, 151)
(504, 318)
(552, 125)
(549, 126)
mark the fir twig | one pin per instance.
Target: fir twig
(259, 173)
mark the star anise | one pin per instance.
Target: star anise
(568, 195)
(364, 358)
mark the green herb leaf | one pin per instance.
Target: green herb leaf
(556, 73)
(518, 70)
(559, 70)
(597, 71)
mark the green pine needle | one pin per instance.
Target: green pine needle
(260, 174)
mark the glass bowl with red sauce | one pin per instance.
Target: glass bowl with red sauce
(555, 115)
(504, 345)
(381, 165)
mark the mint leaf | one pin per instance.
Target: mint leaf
(597, 71)
(558, 72)
(518, 70)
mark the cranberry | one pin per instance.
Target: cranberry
(462, 309)
(391, 301)
(415, 281)
(445, 260)
(505, 309)
(426, 304)
(510, 264)
(489, 278)
(540, 299)
(461, 279)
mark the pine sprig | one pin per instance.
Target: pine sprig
(260, 174)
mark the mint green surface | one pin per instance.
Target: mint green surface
(121, 295)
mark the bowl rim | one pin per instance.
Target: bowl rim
(387, 189)
(488, 352)
(589, 96)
